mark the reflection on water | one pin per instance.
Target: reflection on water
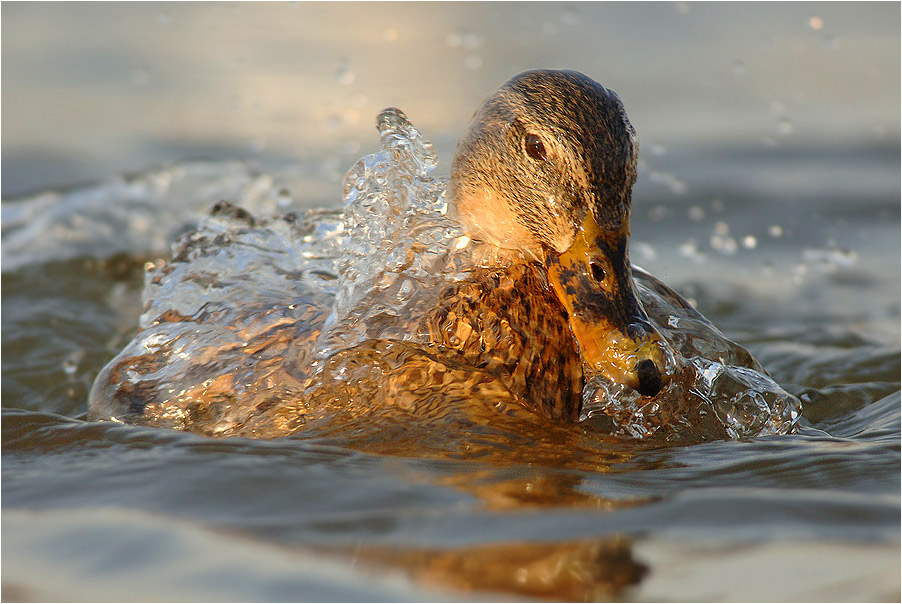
(569, 572)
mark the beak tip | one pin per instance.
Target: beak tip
(649, 377)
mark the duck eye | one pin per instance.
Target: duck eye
(534, 147)
(597, 271)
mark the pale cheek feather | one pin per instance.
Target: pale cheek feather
(489, 217)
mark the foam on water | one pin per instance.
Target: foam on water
(344, 281)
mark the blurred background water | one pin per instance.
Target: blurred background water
(768, 193)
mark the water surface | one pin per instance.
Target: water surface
(768, 195)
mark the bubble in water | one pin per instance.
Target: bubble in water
(749, 242)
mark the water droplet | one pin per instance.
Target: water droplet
(690, 250)
(71, 362)
(722, 229)
(775, 231)
(658, 213)
(676, 185)
(471, 41)
(333, 123)
(283, 199)
(830, 259)
(350, 117)
(816, 23)
(784, 127)
(570, 16)
(350, 147)
(344, 75)
(549, 28)
(749, 242)
(141, 77)
(724, 245)
(643, 251)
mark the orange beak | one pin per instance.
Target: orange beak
(593, 281)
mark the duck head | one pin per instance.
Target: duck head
(546, 169)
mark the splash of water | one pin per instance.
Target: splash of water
(341, 284)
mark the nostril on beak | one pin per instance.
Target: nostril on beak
(650, 379)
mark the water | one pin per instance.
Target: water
(106, 511)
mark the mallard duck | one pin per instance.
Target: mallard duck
(543, 176)
(546, 170)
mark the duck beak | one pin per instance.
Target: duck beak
(593, 281)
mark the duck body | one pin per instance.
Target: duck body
(506, 292)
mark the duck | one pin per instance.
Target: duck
(543, 176)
